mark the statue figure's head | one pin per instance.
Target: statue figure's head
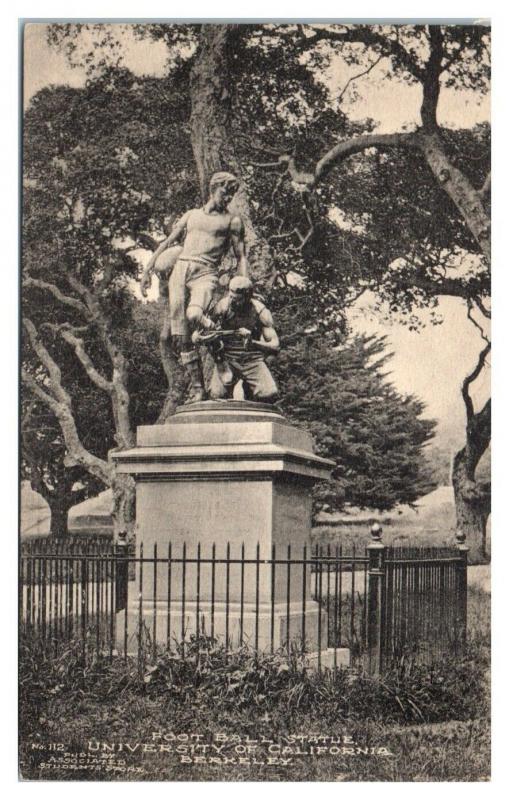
(223, 186)
(240, 291)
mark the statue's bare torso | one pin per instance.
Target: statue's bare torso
(207, 236)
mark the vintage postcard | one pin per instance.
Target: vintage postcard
(255, 414)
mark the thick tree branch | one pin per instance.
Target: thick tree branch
(482, 308)
(454, 182)
(72, 302)
(79, 348)
(52, 368)
(79, 287)
(483, 426)
(447, 287)
(58, 400)
(65, 326)
(357, 145)
(475, 323)
(466, 199)
(449, 177)
(362, 34)
(103, 324)
(486, 187)
(118, 389)
(431, 78)
(469, 380)
(457, 185)
(31, 384)
(307, 180)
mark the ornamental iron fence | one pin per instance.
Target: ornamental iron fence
(359, 608)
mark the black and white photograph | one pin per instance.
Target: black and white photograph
(255, 415)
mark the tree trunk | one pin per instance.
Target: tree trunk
(472, 521)
(211, 105)
(472, 496)
(59, 516)
(467, 200)
(211, 132)
(124, 505)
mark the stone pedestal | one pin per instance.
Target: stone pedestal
(223, 482)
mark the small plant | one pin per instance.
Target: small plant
(204, 675)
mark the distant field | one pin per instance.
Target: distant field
(431, 522)
(394, 532)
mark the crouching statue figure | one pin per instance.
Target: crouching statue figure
(239, 334)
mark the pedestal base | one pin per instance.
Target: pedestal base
(223, 511)
(265, 628)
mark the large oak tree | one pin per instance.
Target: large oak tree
(256, 106)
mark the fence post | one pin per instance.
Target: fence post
(376, 597)
(462, 584)
(121, 571)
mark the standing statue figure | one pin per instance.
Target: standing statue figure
(207, 234)
(243, 334)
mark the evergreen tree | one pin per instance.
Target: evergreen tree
(376, 437)
(105, 164)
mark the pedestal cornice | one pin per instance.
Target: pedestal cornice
(224, 439)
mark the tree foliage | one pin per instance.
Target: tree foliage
(340, 393)
(89, 161)
(43, 465)
(327, 200)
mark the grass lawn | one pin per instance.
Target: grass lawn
(257, 722)
(448, 751)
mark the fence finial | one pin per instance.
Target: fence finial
(376, 532)
(460, 537)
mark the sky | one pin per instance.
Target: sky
(430, 363)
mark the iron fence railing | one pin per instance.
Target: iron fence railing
(425, 600)
(361, 607)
